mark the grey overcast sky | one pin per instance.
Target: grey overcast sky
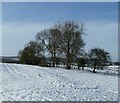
(21, 21)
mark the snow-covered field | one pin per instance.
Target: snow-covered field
(34, 83)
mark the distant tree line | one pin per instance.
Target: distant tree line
(63, 43)
(9, 59)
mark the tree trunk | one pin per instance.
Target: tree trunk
(68, 62)
(68, 55)
(82, 68)
(68, 66)
(53, 61)
(94, 69)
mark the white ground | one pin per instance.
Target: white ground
(33, 83)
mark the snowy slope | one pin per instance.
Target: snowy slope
(34, 83)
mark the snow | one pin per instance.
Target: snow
(34, 83)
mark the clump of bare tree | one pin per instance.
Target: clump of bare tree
(63, 37)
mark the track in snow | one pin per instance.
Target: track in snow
(34, 83)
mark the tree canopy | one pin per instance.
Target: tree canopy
(32, 53)
(98, 58)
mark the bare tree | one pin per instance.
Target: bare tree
(48, 38)
(70, 39)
